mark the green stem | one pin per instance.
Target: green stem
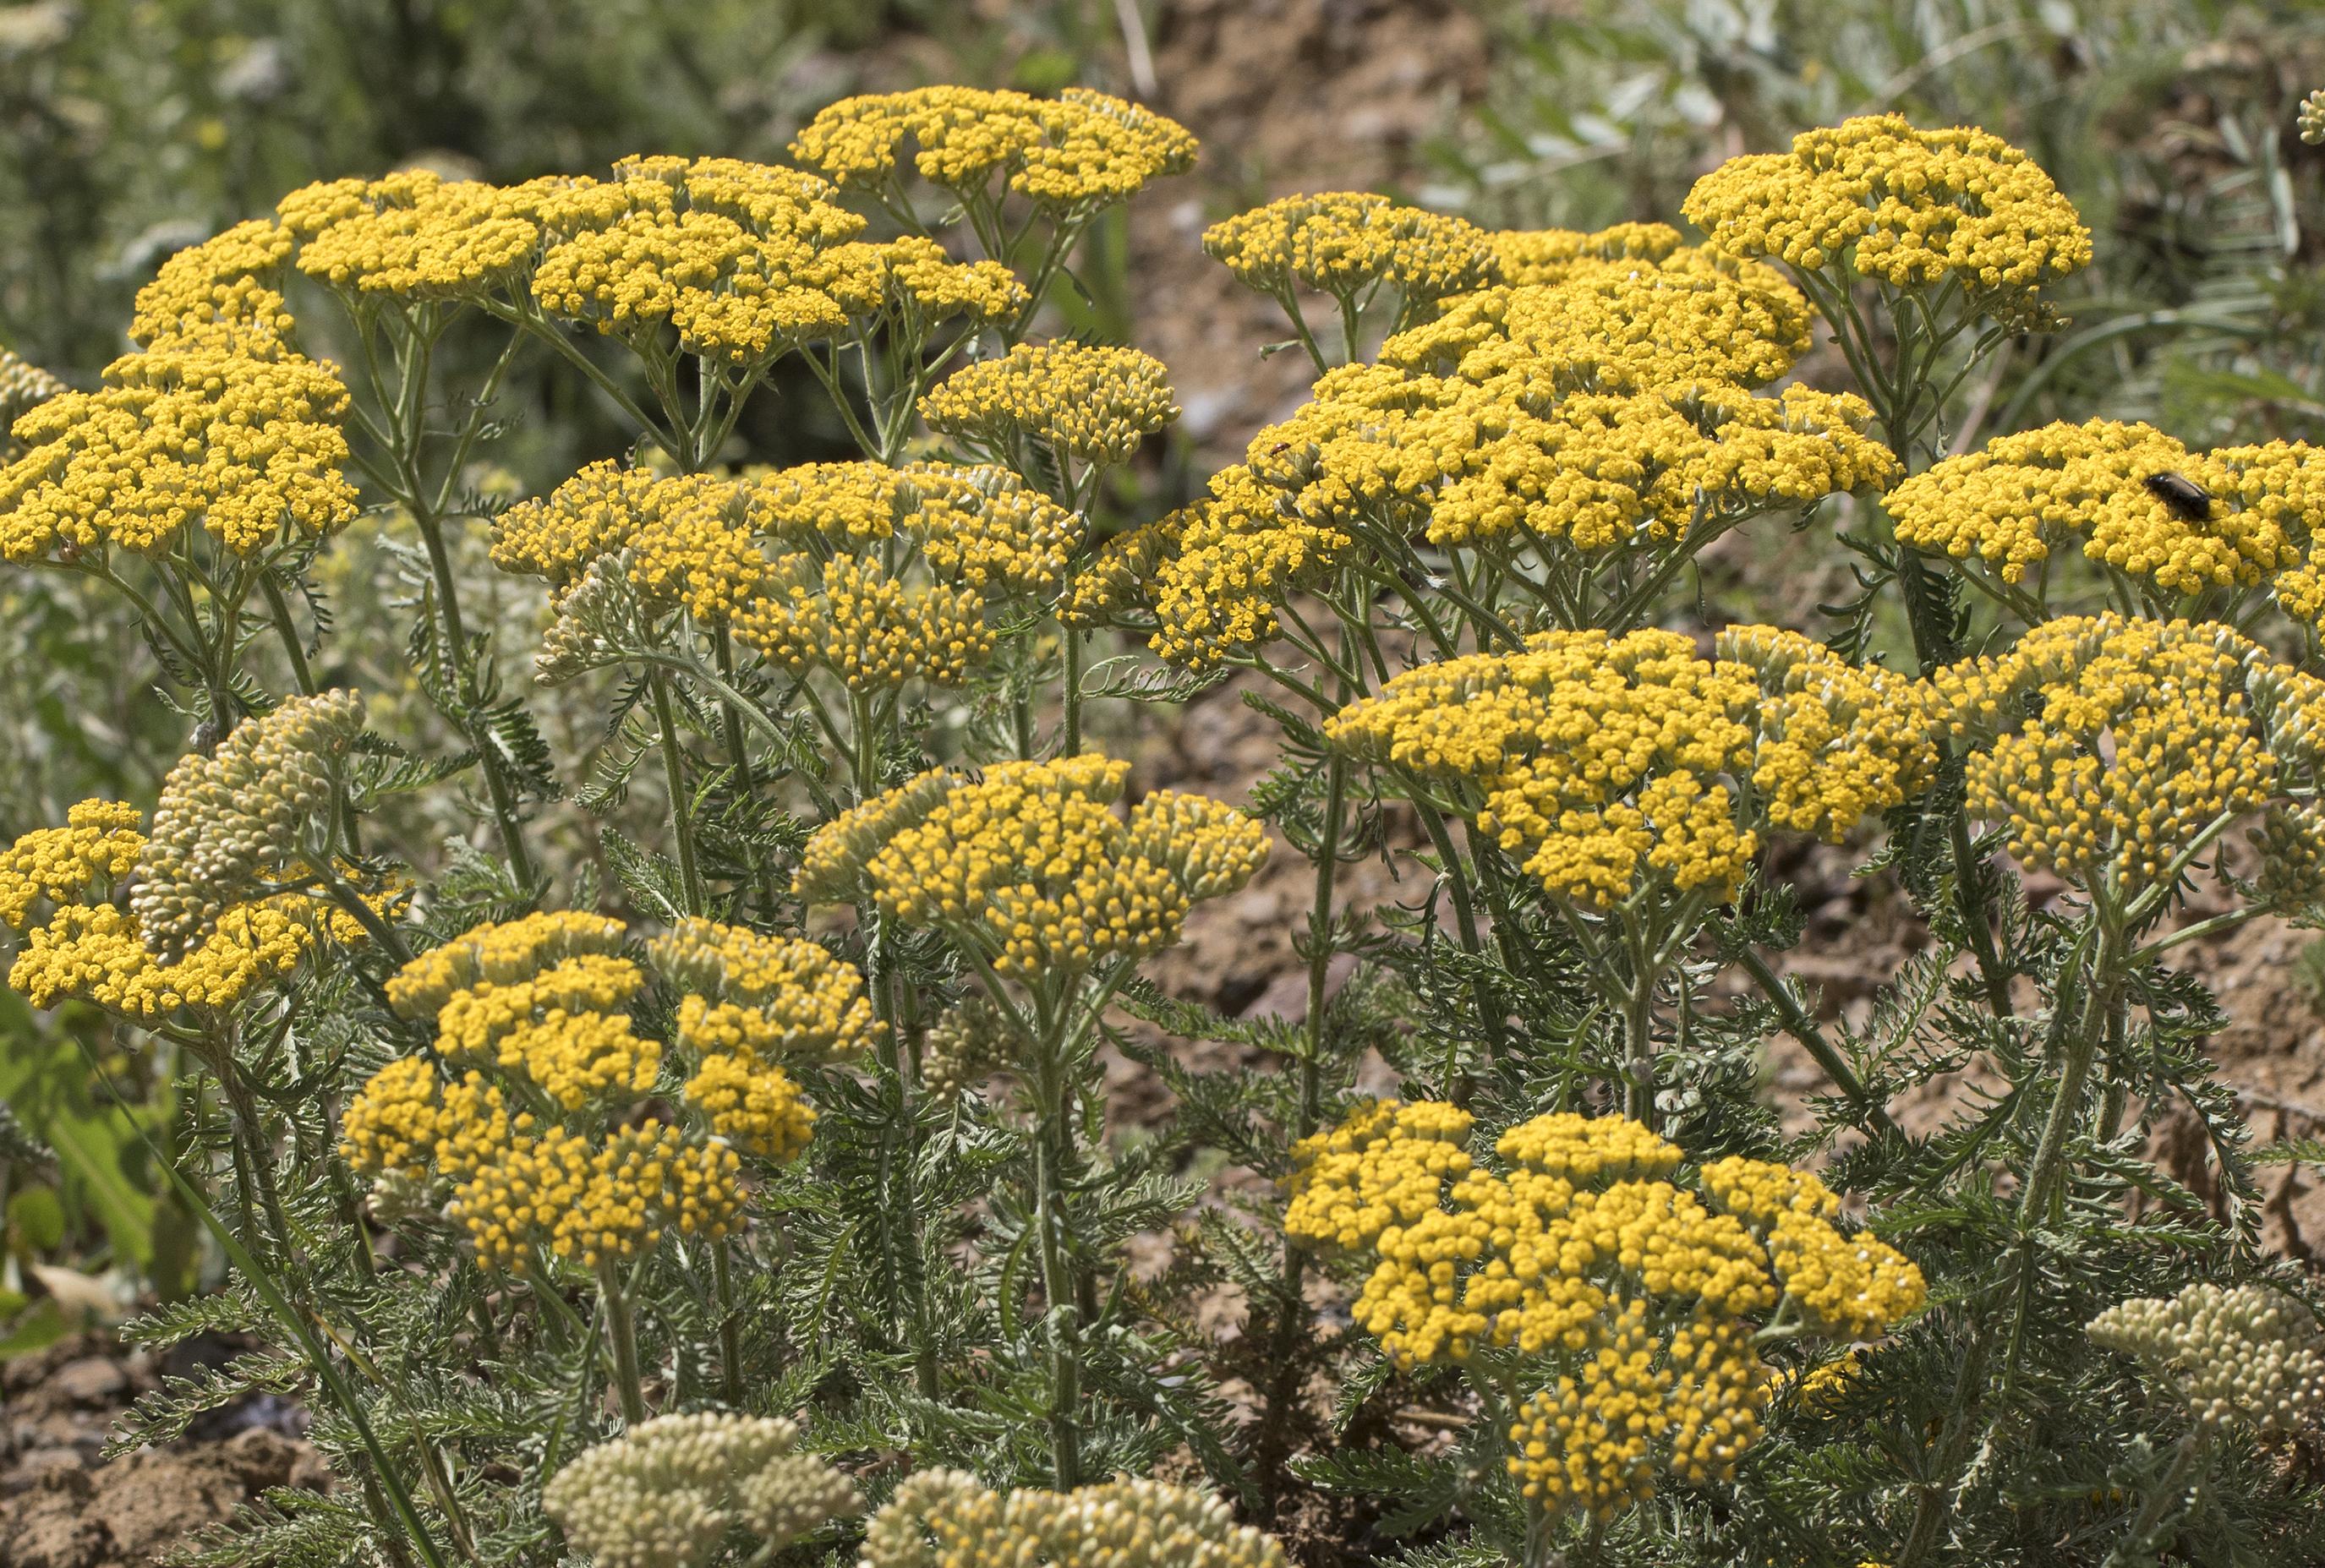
(731, 1326)
(1060, 1293)
(2045, 1175)
(1803, 1028)
(622, 1331)
(293, 647)
(1073, 693)
(2161, 1497)
(673, 764)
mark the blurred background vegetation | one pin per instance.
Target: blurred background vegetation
(131, 127)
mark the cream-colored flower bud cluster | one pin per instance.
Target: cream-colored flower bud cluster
(675, 1491)
(58, 888)
(1633, 1297)
(2112, 747)
(567, 1132)
(23, 387)
(1030, 865)
(1091, 404)
(238, 817)
(945, 1518)
(2249, 1354)
(1607, 764)
(962, 1045)
(2309, 121)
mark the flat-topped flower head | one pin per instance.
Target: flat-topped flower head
(765, 999)
(233, 819)
(2109, 746)
(248, 451)
(947, 1519)
(1916, 210)
(1347, 243)
(1614, 326)
(2170, 523)
(912, 282)
(1091, 404)
(499, 953)
(222, 296)
(1530, 257)
(871, 630)
(560, 1128)
(1030, 864)
(675, 1491)
(736, 261)
(1071, 155)
(417, 236)
(1586, 1257)
(2246, 1355)
(1605, 764)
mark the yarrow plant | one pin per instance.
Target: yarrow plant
(763, 1134)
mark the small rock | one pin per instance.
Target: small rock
(93, 1380)
(36, 1469)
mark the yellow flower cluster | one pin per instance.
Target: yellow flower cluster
(218, 298)
(1604, 415)
(247, 449)
(551, 1151)
(415, 234)
(766, 998)
(1912, 209)
(2011, 505)
(1347, 243)
(1606, 762)
(1614, 325)
(947, 1519)
(2108, 745)
(57, 887)
(501, 953)
(836, 594)
(741, 261)
(1091, 404)
(1070, 155)
(597, 1202)
(1530, 257)
(1638, 1298)
(1031, 866)
(1219, 567)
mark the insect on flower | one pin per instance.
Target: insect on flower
(2188, 500)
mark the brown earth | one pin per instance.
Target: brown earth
(60, 1507)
